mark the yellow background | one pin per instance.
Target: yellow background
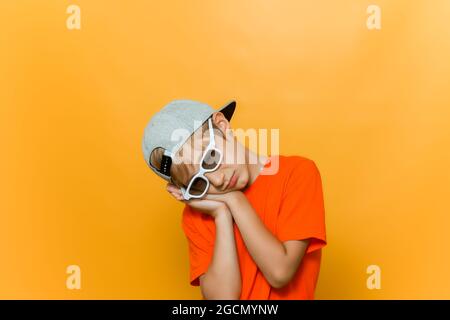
(371, 108)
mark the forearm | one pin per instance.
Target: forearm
(267, 251)
(223, 278)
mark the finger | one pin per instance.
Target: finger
(180, 196)
(170, 187)
(174, 189)
(172, 195)
(176, 195)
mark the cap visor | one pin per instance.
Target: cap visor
(228, 109)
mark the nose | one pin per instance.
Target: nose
(216, 178)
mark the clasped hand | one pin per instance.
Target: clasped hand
(211, 204)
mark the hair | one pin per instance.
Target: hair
(178, 169)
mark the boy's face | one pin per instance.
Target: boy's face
(232, 173)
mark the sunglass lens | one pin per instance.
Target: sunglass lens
(211, 160)
(198, 186)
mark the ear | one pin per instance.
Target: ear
(222, 123)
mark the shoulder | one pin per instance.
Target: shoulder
(288, 169)
(296, 164)
(302, 183)
(301, 174)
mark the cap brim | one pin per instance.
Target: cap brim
(228, 109)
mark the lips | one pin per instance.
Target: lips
(232, 182)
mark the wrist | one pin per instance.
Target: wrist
(233, 198)
(222, 213)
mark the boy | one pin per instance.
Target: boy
(252, 232)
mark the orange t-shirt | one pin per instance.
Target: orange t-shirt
(290, 203)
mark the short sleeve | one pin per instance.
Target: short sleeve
(302, 213)
(200, 243)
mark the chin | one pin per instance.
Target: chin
(241, 184)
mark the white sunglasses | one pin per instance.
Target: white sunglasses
(210, 161)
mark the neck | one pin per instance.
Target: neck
(255, 164)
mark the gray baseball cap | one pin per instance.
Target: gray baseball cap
(173, 125)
